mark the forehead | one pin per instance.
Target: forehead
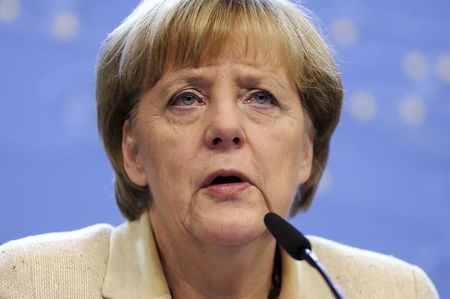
(250, 59)
(220, 72)
(243, 70)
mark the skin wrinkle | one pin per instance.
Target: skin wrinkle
(204, 84)
(180, 274)
(216, 247)
(185, 280)
(198, 79)
(174, 148)
(174, 85)
(282, 110)
(181, 34)
(275, 81)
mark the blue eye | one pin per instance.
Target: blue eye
(185, 99)
(188, 99)
(263, 98)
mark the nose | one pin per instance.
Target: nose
(224, 130)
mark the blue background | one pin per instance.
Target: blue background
(387, 185)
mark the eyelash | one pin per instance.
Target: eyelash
(271, 98)
(173, 100)
(199, 98)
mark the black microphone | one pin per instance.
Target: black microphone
(298, 247)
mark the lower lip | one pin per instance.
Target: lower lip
(227, 190)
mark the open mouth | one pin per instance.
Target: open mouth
(219, 180)
(226, 184)
(225, 178)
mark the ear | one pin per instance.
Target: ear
(131, 159)
(306, 163)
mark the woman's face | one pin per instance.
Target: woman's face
(219, 146)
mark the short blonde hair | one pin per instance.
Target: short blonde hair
(178, 33)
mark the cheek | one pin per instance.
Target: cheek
(278, 154)
(167, 154)
(281, 145)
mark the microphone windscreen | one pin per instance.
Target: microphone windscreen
(289, 238)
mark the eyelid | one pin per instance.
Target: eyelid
(177, 95)
(253, 92)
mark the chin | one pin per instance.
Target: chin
(237, 229)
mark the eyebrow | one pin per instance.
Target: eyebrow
(193, 80)
(245, 80)
(251, 80)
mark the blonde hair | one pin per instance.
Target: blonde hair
(176, 33)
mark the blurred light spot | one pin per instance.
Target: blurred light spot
(412, 110)
(325, 182)
(363, 106)
(416, 65)
(344, 32)
(9, 10)
(65, 26)
(443, 68)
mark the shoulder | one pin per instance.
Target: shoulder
(367, 274)
(49, 265)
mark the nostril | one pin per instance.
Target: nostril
(225, 140)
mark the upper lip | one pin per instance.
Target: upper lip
(225, 173)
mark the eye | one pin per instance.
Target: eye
(262, 98)
(186, 99)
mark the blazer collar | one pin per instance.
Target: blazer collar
(134, 270)
(299, 280)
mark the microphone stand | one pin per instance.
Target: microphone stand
(314, 262)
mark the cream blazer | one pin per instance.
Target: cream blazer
(122, 263)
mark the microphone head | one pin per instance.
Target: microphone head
(289, 238)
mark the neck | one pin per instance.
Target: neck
(198, 270)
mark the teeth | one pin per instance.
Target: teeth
(226, 179)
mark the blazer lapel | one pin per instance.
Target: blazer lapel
(134, 270)
(300, 281)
